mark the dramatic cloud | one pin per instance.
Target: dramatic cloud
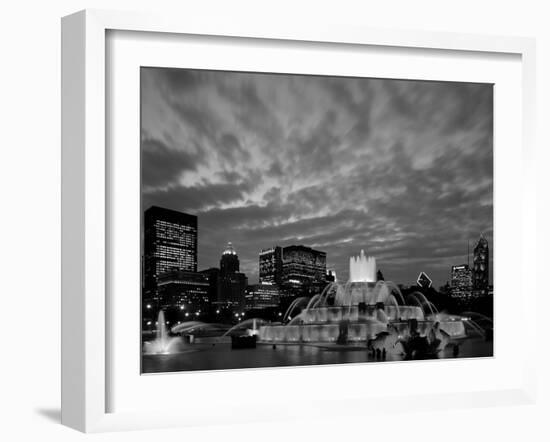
(402, 169)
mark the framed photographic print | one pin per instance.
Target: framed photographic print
(270, 209)
(259, 189)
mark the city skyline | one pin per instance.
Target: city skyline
(470, 256)
(401, 169)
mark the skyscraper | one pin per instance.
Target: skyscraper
(229, 262)
(461, 282)
(170, 244)
(292, 265)
(271, 265)
(303, 265)
(480, 272)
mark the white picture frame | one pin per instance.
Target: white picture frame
(86, 213)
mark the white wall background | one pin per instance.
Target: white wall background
(30, 215)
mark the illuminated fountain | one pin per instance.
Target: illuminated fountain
(364, 311)
(248, 327)
(163, 343)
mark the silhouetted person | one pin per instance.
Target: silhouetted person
(455, 350)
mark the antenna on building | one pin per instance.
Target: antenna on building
(468, 256)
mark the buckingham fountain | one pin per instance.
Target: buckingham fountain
(367, 312)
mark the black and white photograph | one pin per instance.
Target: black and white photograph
(298, 220)
(275, 220)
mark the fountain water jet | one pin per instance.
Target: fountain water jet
(362, 268)
(313, 301)
(253, 330)
(163, 344)
(190, 327)
(295, 304)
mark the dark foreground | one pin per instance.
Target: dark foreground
(207, 356)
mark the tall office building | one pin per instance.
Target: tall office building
(229, 262)
(292, 265)
(461, 282)
(232, 283)
(170, 244)
(480, 272)
(303, 265)
(271, 265)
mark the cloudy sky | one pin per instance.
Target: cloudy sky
(401, 169)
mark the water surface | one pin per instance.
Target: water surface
(222, 357)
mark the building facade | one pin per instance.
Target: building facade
(260, 296)
(188, 291)
(170, 244)
(212, 275)
(271, 265)
(480, 271)
(461, 282)
(303, 265)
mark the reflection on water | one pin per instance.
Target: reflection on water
(222, 357)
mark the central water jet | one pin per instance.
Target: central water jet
(362, 268)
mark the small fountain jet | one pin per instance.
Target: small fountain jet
(163, 344)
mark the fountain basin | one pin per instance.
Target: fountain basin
(366, 329)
